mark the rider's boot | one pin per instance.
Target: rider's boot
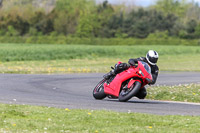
(110, 74)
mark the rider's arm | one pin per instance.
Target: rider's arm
(132, 62)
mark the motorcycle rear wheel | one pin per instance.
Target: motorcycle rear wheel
(98, 92)
(125, 95)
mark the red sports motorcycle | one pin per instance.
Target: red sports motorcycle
(126, 84)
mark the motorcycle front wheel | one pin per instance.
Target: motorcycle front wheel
(127, 94)
(98, 92)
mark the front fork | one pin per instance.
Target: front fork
(130, 84)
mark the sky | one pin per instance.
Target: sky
(143, 3)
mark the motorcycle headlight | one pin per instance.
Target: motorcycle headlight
(140, 72)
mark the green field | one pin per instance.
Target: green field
(40, 52)
(61, 58)
(23, 119)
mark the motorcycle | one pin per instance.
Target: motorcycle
(124, 85)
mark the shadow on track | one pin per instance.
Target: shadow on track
(138, 101)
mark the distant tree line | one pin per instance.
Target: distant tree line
(86, 19)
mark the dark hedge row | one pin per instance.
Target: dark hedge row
(98, 41)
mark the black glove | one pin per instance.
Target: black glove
(121, 66)
(131, 62)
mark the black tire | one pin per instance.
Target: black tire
(98, 92)
(125, 95)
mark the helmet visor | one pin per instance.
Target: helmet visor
(152, 59)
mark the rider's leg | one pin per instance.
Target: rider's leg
(142, 93)
(118, 68)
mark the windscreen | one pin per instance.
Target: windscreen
(146, 66)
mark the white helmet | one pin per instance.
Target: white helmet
(152, 57)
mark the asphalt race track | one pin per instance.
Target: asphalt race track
(75, 91)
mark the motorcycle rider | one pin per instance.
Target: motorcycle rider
(151, 58)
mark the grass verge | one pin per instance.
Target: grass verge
(58, 66)
(23, 118)
(183, 93)
(98, 65)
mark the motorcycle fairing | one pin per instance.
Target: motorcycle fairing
(114, 87)
(130, 83)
